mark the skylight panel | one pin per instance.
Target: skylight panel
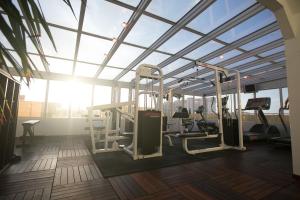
(280, 59)
(65, 42)
(256, 67)
(171, 9)
(186, 72)
(86, 70)
(37, 62)
(60, 66)
(131, 2)
(218, 13)
(92, 49)
(241, 62)
(109, 73)
(105, 18)
(273, 51)
(225, 56)
(168, 80)
(175, 65)
(249, 26)
(146, 31)
(153, 59)
(124, 56)
(263, 40)
(128, 77)
(204, 50)
(58, 12)
(179, 41)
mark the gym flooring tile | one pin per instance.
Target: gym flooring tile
(63, 168)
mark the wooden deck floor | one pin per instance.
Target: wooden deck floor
(62, 168)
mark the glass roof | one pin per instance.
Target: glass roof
(218, 13)
(104, 21)
(171, 9)
(146, 31)
(180, 40)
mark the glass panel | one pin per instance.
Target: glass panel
(185, 73)
(275, 99)
(92, 49)
(104, 18)
(81, 98)
(241, 62)
(86, 70)
(31, 99)
(285, 95)
(179, 41)
(256, 67)
(262, 41)
(218, 13)
(198, 102)
(102, 95)
(153, 59)
(280, 59)
(65, 42)
(204, 50)
(4, 41)
(63, 14)
(109, 73)
(174, 65)
(168, 80)
(37, 62)
(273, 51)
(124, 56)
(58, 99)
(124, 95)
(131, 2)
(251, 25)
(224, 57)
(171, 9)
(146, 31)
(60, 66)
(128, 77)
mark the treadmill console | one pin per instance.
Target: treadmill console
(258, 103)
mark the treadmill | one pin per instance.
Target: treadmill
(283, 140)
(264, 130)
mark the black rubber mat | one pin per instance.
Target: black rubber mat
(120, 163)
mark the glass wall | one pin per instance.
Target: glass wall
(102, 95)
(31, 99)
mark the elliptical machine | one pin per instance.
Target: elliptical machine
(263, 130)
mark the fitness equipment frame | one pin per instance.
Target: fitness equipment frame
(218, 70)
(110, 137)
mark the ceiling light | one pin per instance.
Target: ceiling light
(114, 40)
(221, 56)
(245, 77)
(105, 54)
(124, 24)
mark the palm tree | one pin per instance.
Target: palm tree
(18, 24)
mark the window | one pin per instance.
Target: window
(204, 50)
(285, 95)
(241, 62)
(124, 95)
(80, 98)
(249, 26)
(244, 100)
(178, 41)
(171, 9)
(58, 99)
(146, 31)
(109, 73)
(198, 102)
(224, 57)
(174, 65)
(273, 51)
(92, 49)
(153, 59)
(128, 76)
(32, 98)
(102, 95)
(86, 70)
(275, 99)
(124, 56)
(105, 18)
(60, 66)
(218, 13)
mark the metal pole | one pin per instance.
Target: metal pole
(219, 103)
(240, 117)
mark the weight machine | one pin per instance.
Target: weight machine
(147, 122)
(229, 143)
